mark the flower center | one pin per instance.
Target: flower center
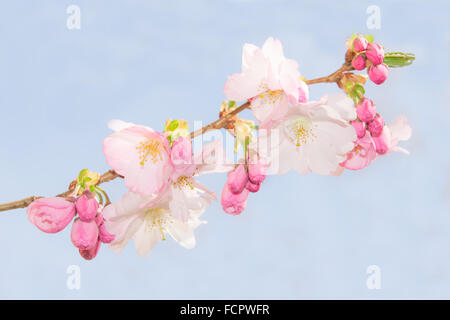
(149, 149)
(300, 131)
(155, 218)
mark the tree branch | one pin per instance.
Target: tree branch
(218, 124)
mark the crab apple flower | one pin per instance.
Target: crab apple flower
(360, 44)
(366, 110)
(84, 235)
(375, 126)
(141, 155)
(378, 73)
(148, 225)
(87, 206)
(362, 154)
(375, 53)
(233, 203)
(360, 128)
(314, 136)
(91, 253)
(268, 80)
(51, 215)
(237, 179)
(359, 62)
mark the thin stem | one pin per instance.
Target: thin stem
(218, 124)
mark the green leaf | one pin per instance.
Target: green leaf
(173, 125)
(398, 59)
(369, 37)
(91, 188)
(231, 104)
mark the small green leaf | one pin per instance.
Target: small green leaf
(91, 188)
(231, 104)
(369, 37)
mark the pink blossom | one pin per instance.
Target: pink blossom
(362, 154)
(366, 110)
(87, 206)
(51, 215)
(360, 128)
(360, 44)
(359, 62)
(375, 53)
(104, 235)
(84, 235)
(233, 203)
(378, 73)
(376, 126)
(269, 80)
(237, 179)
(142, 156)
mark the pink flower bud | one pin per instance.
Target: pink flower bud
(360, 44)
(359, 62)
(360, 128)
(91, 253)
(237, 179)
(378, 74)
(252, 187)
(383, 142)
(104, 235)
(375, 53)
(181, 153)
(257, 171)
(233, 203)
(376, 126)
(51, 215)
(87, 206)
(366, 110)
(84, 235)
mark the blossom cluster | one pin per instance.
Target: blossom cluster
(160, 169)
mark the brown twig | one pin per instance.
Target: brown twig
(218, 124)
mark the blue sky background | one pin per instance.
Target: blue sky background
(301, 236)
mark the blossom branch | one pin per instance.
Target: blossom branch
(216, 125)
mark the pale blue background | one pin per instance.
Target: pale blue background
(301, 236)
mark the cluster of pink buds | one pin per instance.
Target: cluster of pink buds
(371, 56)
(240, 182)
(51, 215)
(370, 121)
